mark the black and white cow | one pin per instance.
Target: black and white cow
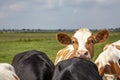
(76, 69)
(33, 65)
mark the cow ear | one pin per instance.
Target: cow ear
(64, 38)
(101, 36)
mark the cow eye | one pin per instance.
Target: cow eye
(73, 42)
(92, 41)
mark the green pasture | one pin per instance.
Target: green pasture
(12, 43)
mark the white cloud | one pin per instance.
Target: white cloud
(61, 3)
(75, 11)
(18, 6)
(107, 1)
(59, 12)
(2, 14)
(50, 4)
(8, 8)
(100, 0)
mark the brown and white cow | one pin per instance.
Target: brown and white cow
(108, 62)
(81, 44)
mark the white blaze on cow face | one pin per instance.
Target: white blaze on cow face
(82, 36)
(81, 44)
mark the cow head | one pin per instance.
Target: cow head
(83, 41)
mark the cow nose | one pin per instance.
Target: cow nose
(82, 54)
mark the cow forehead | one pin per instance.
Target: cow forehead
(82, 35)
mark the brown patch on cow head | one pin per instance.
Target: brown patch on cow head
(108, 69)
(113, 68)
(90, 45)
(117, 46)
(63, 38)
(75, 43)
(101, 36)
(101, 69)
(117, 69)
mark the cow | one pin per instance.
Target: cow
(108, 61)
(7, 72)
(33, 65)
(76, 69)
(81, 44)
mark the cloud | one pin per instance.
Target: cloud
(78, 3)
(59, 12)
(50, 3)
(60, 3)
(106, 1)
(9, 8)
(2, 14)
(18, 6)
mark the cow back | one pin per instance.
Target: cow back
(33, 65)
(76, 69)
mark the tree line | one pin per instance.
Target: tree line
(44, 30)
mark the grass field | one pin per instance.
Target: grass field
(12, 43)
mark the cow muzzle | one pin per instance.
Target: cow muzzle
(83, 54)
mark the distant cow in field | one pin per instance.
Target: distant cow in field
(81, 44)
(33, 65)
(108, 62)
(7, 72)
(76, 69)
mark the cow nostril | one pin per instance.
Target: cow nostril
(86, 53)
(119, 61)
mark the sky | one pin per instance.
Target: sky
(59, 14)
